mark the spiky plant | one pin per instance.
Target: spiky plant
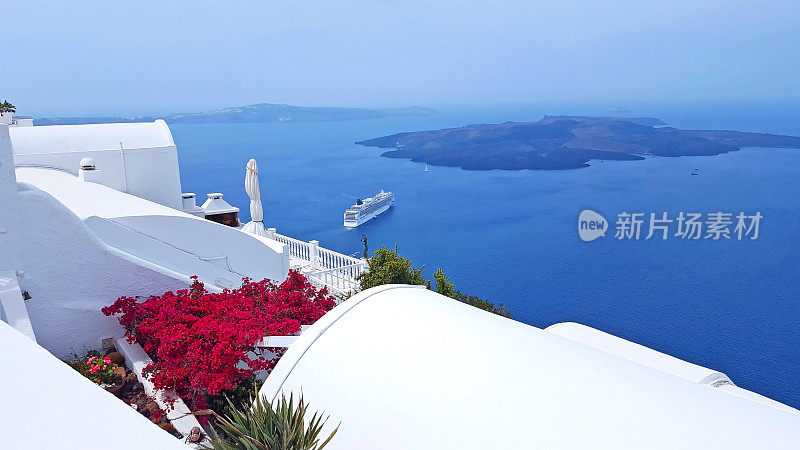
(267, 427)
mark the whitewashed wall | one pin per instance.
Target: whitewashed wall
(68, 272)
(147, 167)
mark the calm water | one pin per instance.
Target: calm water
(510, 236)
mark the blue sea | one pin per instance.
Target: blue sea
(511, 236)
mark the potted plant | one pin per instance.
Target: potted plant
(7, 107)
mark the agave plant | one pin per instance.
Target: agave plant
(281, 426)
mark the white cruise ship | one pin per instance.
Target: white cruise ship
(367, 209)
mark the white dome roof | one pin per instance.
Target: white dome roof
(404, 368)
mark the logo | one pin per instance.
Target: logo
(591, 225)
(692, 226)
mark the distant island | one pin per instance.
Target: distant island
(565, 142)
(261, 112)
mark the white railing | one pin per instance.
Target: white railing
(322, 266)
(297, 248)
(339, 281)
(328, 259)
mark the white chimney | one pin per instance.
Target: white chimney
(87, 171)
(189, 201)
(218, 210)
(190, 204)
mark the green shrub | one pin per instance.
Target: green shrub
(387, 267)
(445, 287)
(79, 362)
(116, 358)
(264, 427)
(485, 305)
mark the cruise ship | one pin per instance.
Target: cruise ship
(367, 209)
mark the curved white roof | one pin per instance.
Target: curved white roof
(87, 199)
(404, 368)
(173, 240)
(90, 137)
(46, 404)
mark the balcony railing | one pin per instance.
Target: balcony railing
(340, 280)
(323, 267)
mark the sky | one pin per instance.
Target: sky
(157, 57)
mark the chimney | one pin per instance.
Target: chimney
(190, 204)
(189, 201)
(218, 210)
(87, 171)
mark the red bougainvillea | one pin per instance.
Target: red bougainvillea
(200, 341)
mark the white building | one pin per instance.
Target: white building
(10, 120)
(137, 158)
(89, 213)
(77, 240)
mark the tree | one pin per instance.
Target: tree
(443, 285)
(7, 107)
(387, 267)
(446, 288)
(485, 305)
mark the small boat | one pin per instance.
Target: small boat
(694, 172)
(427, 169)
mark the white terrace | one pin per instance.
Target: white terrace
(322, 266)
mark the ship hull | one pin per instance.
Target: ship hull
(367, 217)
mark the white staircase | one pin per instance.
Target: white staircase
(14, 305)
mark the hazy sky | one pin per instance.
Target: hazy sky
(64, 57)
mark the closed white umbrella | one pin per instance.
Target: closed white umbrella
(256, 224)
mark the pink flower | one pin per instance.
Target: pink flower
(94, 369)
(107, 360)
(197, 338)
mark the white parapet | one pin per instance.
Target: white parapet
(48, 405)
(14, 305)
(662, 362)
(178, 414)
